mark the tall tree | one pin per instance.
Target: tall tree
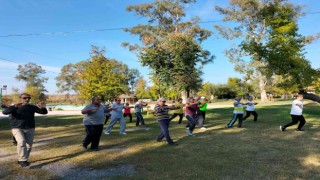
(31, 74)
(171, 46)
(261, 24)
(67, 79)
(99, 76)
(140, 88)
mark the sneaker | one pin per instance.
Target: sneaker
(190, 133)
(84, 147)
(106, 133)
(124, 133)
(281, 129)
(95, 149)
(299, 129)
(203, 128)
(23, 163)
(173, 144)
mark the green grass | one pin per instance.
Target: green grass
(256, 151)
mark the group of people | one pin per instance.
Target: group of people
(23, 121)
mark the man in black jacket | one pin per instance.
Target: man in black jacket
(23, 125)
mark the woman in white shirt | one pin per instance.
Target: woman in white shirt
(296, 114)
(250, 109)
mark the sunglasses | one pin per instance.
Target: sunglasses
(26, 98)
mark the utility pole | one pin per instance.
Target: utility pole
(1, 98)
(5, 89)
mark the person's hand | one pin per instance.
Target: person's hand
(42, 104)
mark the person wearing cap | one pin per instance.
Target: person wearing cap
(161, 112)
(191, 114)
(178, 112)
(23, 125)
(117, 115)
(137, 111)
(93, 122)
(202, 112)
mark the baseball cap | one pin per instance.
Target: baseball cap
(161, 99)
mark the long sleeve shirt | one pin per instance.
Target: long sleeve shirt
(161, 112)
(23, 117)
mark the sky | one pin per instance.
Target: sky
(43, 25)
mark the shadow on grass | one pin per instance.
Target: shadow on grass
(256, 151)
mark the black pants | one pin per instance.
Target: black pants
(139, 118)
(164, 126)
(295, 119)
(175, 115)
(234, 119)
(93, 134)
(130, 116)
(254, 113)
(201, 118)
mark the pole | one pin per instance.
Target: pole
(1, 98)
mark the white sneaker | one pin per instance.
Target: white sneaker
(190, 133)
(106, 133)
(124, 133)
(203, 128)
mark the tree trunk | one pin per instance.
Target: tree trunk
(262, 85)
(185, 95)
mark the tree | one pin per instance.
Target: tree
(268, 29)
(31, 74)
(237, 86)
(171, 47)
(67, 79)
(140, 88)
(207, 90)
(101, 76)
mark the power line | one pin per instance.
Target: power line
(99, 30)
(31, 52)
(3, 59)
(62, 33)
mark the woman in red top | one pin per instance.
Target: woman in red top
(127, 111)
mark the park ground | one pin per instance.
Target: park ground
(259, 150)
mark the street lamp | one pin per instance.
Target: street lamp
(4, 87)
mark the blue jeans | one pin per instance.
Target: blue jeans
(164, 126)
(192, 121)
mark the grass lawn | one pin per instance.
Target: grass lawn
(257, 151)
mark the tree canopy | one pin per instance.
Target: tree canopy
(170, 46)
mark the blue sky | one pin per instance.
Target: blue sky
(54, 51)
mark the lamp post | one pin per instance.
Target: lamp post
(4, 87)
(1, 98)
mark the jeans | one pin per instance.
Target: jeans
(139, 118)
(192, 121)
(113, 121)
(164, 126)
(93, 134)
